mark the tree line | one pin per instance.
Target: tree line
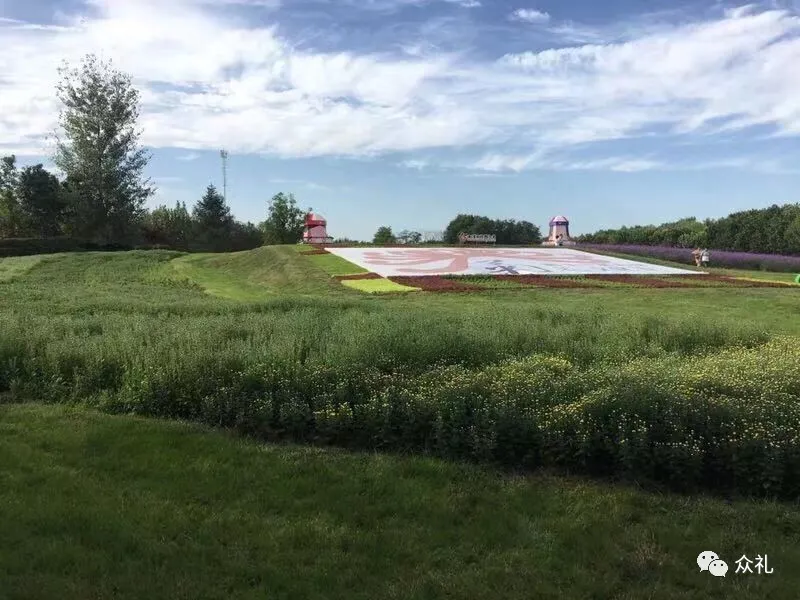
(34, 203)
(508, 232)
(101, 197)
(773, 230)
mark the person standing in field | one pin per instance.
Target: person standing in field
(696, 255)
(704, 258)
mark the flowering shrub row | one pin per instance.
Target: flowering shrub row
(433, 283)
(719, 258)
(729, 421)
(546, 281)
(644, 282)
(597, 392)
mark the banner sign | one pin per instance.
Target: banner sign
(477, 238)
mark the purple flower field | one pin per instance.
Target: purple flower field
(719, 258)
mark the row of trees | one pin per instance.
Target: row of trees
(32, 201)
(685, 233)
(35, 203)
(773, 230)
(101, 199)
(210, 227)
(508, 232)
(384, 235)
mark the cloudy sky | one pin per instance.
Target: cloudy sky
(406, 112)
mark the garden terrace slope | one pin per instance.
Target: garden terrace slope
(256, 274)
(114, 332)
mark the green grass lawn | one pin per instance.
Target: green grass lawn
(98, 506)
(93, 506)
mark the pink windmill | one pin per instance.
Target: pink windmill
(559, 232)
(316, 231)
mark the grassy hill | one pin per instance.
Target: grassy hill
(255, 275)
(94, 506)
(613, 383)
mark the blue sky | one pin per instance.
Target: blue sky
(407, 112)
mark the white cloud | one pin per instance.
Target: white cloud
(191, 156)
(416, 164)
(740, 11)
(498, 163)
(311, 185)
(393, 5)
(530, 15)
(209, 81)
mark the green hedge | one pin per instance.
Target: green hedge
(30, 246)
(728, 421)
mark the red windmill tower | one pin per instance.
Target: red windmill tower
(315, 231)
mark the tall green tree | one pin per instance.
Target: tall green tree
(409, 237)
(97, 147)
(213, 221)
(384, 235)
(8, 172)
(171, 227)
(11, 218)
(792, 236)
(245, 236)
(40, 201)
(461, 224)
(285, 221)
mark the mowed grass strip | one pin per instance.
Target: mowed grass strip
(18, 265)
(763, 279)
(377, 286)
(334, 265)
(95, 506)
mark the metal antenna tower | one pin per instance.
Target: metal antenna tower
(224, 156)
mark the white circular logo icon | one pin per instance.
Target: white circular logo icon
(718, 568)
(705, 558)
